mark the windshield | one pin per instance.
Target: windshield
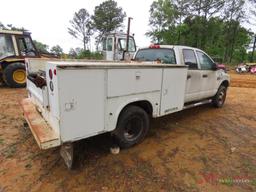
(6, 46)
(122, 44)
(163, 55)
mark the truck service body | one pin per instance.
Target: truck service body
(70, 101)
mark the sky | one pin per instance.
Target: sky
(48, 20)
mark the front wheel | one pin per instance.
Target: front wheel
(220, 97)
(132, 126)
(14, 75)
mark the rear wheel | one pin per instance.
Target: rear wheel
(132, 126)
(220, 97)
(14, 75)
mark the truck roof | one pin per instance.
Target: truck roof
(168, 46)
(12, 32)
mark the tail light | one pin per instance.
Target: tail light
(50, 74)
(154, 46)
(55, 72)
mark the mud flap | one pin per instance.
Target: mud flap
(67, 152)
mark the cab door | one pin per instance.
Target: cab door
(193, 82)
(25, 46)
(208, 74)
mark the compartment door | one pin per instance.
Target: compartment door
(173, 90)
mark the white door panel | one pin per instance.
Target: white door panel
(173, 88)
(209, 79)
(193, 86)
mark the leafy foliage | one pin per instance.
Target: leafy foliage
(81, 27)
(212, 25)
(79, 53)
(57, 50)
(11, 27)
(41, 47)
(2, 26)
(108, 17)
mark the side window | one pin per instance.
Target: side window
(109, 44)
(121, 44)
(205, 62)
(26, 47)
(6, 46)
(190, 58)
(104, 44)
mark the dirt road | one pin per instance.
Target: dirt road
(201, 149)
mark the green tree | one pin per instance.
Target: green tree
(11, 27)
(41, 47)
(2, 26)
(212, 25)
(234, 14)
(14, 28)
(161, 20)
(72, 53)
(182, 11)
(206, 8)
(81, 27)
(56, 50)
(108, 17)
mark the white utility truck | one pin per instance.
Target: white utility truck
(114, 47)
(70, 101)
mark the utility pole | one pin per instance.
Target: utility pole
(128, 34)
(253, 49)
(127, 40)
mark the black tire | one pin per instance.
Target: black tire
(220, 97)
(9, 73)
(132, 126)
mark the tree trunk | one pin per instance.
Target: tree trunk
(253, 49)
(233, 42)
(84, 42)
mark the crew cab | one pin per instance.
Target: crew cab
(205, 79)
(71, 100)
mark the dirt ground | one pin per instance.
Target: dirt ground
(200, 149)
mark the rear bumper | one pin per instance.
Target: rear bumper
(44, 135)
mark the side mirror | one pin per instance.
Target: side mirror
(219, 66)
(215, 67)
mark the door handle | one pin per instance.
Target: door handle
(205, 76)
(189, 77)
(137, 75)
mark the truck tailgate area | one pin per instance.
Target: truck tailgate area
(45, 136)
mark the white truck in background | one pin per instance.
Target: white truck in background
(70, 101)
(113, 46)
(117, 46)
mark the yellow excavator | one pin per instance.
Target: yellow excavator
(15, 46)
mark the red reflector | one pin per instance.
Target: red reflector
(55, 72)
(50, 74)
(154, 46)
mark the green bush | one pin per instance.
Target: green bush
(89, 55)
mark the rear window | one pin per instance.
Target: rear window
(166, 56)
